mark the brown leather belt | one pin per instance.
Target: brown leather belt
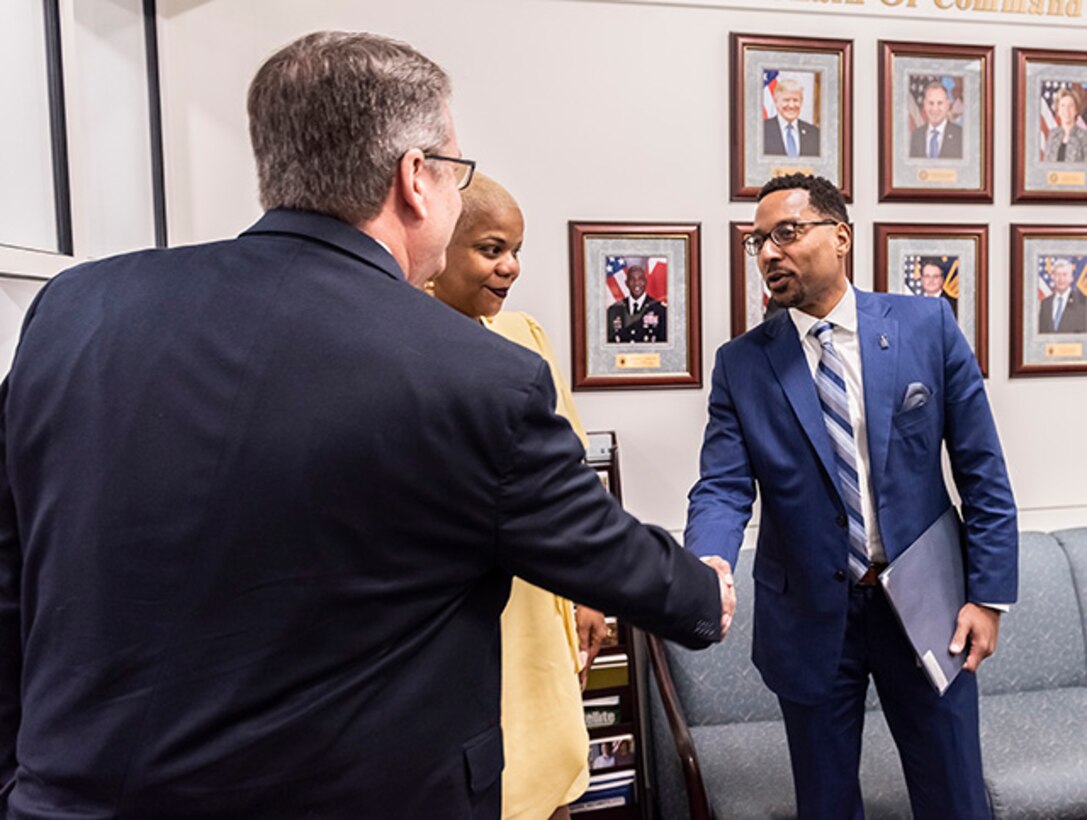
(871, 577)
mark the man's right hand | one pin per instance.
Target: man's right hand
(728, 589)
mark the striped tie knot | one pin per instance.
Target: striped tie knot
(824, 333)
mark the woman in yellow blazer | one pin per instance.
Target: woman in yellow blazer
(546, 744)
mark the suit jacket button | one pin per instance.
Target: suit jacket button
(841, 521)
(839, 575)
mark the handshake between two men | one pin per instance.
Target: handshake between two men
(275, 582)
(728, 590)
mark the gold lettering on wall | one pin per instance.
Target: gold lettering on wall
(1047, 8)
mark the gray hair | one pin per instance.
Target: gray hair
(331, 114)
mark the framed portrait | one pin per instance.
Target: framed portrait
(751, 300)
(792, 111)
(1049, 138)
(1049, 300)
(636, 307)
(936, 122)
(949, 262)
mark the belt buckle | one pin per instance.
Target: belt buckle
(871, 575)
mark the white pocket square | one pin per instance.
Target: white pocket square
(916, 395)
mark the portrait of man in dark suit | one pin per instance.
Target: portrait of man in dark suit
(785, 134)
(638, 318)
(1065, 309)
(938, 137)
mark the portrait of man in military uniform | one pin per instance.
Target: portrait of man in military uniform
(637, 318)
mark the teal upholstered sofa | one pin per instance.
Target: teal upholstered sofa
(1033, 711)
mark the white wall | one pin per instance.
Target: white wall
(108, 119)
(612, 111)
(109, 149)
(26, 169)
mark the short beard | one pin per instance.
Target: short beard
(795, 299)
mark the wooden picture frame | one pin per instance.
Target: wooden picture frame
(659, 343)
(1048, 339)
(812, 79)
(749, 296)
(1049, 154)
(947, 261)
(920, 159)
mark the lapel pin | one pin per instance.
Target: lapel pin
(883, 342)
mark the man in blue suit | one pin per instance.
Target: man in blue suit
(836, 410)
(261, 500)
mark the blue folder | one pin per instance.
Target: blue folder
(926, 588)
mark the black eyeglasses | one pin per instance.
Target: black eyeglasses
(782, 234)
(463, 169)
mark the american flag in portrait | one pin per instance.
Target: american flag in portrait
(656, 272)
(1047, 110)
(911, 273)
(917, 97)
(615, 273)
(769, 83)
(1045, 278)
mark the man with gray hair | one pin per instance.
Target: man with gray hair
(261, 500)
(1064, 310)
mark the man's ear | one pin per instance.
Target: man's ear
(844, 238)
(412, 183)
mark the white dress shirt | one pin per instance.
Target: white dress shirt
(636, 304)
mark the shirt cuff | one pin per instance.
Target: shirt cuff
(997, 607)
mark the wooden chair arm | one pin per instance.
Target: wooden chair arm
(677, 722)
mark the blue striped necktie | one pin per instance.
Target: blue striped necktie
(830, 385)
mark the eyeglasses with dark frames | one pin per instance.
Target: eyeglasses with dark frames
(463, 169)
(782, 234)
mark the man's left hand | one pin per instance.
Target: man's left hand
(591, 631)
(977, 627)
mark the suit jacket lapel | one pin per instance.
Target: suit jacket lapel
(879, 366)
(791, 368)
